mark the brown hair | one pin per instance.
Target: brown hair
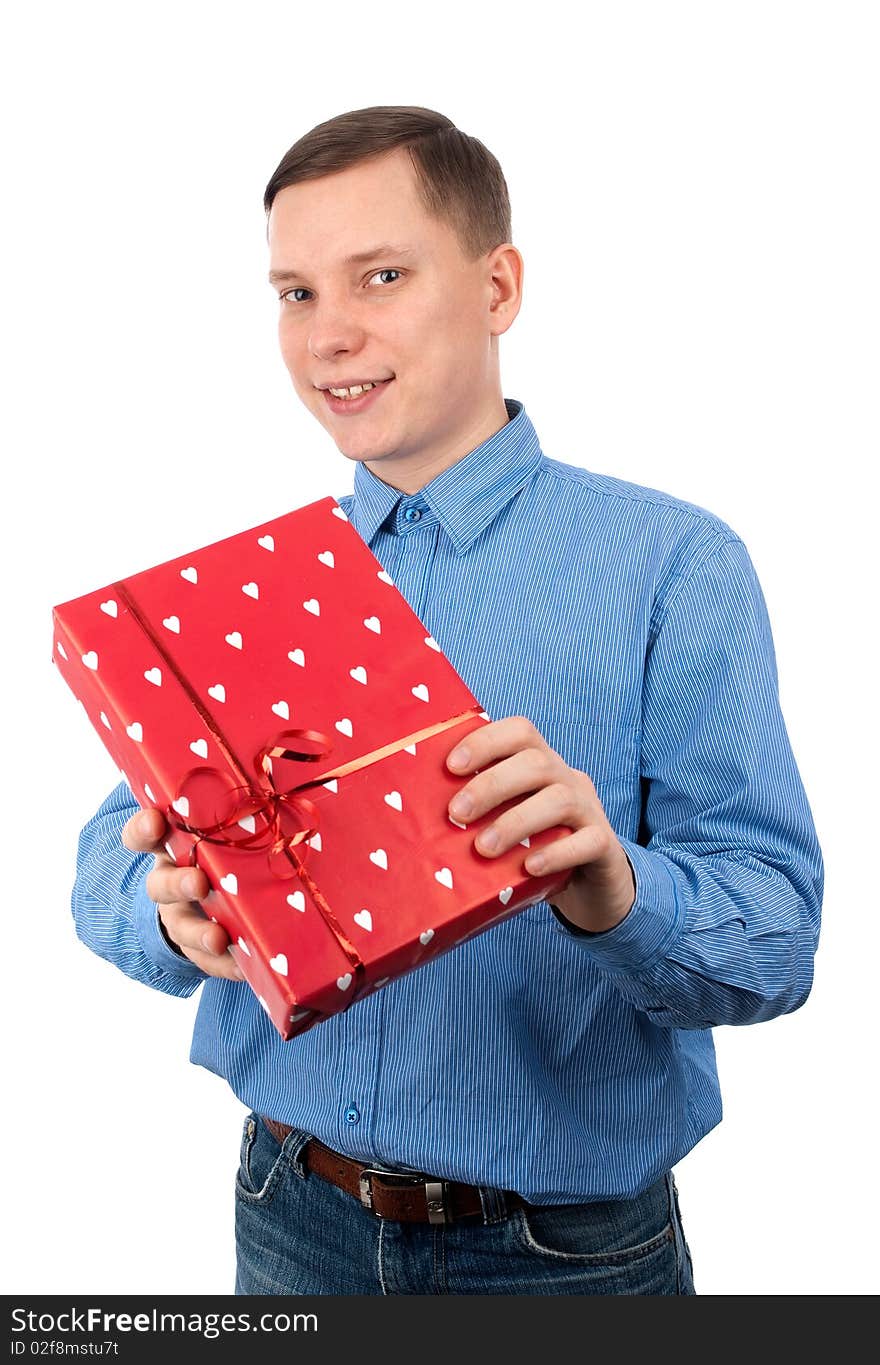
(458, 179)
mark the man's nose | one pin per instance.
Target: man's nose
(334, 329)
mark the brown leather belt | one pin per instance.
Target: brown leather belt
(403, 1198)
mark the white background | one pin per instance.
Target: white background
(694, 191)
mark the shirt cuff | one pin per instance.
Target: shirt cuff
(154, 943)
(653, 924)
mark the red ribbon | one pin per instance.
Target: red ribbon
(269, 803)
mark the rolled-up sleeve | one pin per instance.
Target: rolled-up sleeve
(728, 869)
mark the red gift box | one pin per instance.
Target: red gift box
(276, 697)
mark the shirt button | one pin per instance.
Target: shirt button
(352, 1115)
(412, 514)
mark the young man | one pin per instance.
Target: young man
(527, 1094)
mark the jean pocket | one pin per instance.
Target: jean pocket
(261, 1163)
(593, 1235)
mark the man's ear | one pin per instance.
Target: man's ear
(506, 268)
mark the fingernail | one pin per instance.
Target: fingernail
(189, 885)
(459, 758)
(461, 805)
(206, 943)
(489, 839)
(535, 864)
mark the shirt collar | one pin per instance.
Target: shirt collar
(466, 496)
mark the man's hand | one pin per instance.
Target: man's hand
(177, 891)
(513, 760)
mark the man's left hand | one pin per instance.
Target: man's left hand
(511, 758)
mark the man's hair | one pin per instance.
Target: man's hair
(457, 179)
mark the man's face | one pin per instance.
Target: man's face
(417, 313)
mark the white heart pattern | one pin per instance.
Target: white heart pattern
(374, 624)
(297, 900)
(313, 606)
(251, 590)
(135, 731)
(432, 643)
(526, 842)
(296, 656)
(61, 650)
(234, 639)
(505, 895)
(181, 805)
(249, 823)
(444, 877)
(148, 789)
(230, 883)
(338, 512)
(343, 982)
(217, 691)
(380, 858)
(154, 676)
(385, 578)
(409, 748)
(315, 842)
(364, 919)
(359, 674)
(243, 946)
(421, 692)
(281, 709)
(326, 557)
(190, 574)
(90, 660)
(393, 799)
(110, 607)
(104, 720)
(170, 851)
(332, 785)
(426, 937)
(267, 542)
(200, 747)
(344, 726)
(172, 623)
(279, 964)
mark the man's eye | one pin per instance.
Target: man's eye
(289, 295)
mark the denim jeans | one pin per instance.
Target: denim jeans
(296, 1233)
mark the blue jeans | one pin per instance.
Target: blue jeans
(296, 1233)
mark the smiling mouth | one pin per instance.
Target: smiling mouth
(346, 395)
(356, 403)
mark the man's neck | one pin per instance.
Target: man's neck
(410, 474)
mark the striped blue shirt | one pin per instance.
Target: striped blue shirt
(630, 627)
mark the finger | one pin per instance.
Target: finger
(525, 771)
(144, 831)
(202, 940)
(557, 804)
(583, 846)
(498, 739)
(168, 883)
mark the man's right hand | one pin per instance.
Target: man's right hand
(177, 892)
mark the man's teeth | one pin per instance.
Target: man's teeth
(353, 391)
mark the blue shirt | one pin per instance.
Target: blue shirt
(630, 627)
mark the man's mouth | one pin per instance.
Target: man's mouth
(357, 398)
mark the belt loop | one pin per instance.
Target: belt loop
(293, 1146)
(494, 1204)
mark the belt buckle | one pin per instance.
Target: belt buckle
(437, 1211)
